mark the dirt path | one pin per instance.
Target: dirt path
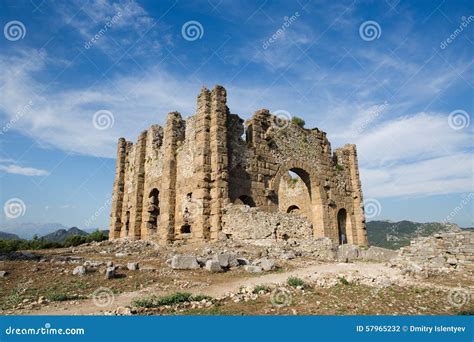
(87, 307)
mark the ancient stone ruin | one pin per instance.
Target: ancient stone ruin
(183, 181)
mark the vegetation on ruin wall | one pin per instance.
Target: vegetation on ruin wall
(298, 121)
(35, 244)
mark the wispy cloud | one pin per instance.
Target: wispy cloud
(24, 171)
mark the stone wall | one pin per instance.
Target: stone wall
(438, 253)
(174, 183)
(241, 222)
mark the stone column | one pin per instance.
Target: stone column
(202, 166)
(219, 159)
(361, 232)
(172, 133)
(138, 183)
(118, 191)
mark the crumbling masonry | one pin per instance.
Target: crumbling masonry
(176, 182)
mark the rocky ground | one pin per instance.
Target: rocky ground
(291, 278)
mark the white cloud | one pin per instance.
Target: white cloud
(63, 118)
(24, 171)
(417, 137)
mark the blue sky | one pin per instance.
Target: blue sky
(394, 77)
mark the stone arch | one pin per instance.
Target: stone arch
(292, 209)
(153, 209)
(245, 199)
(342, 230)
(308, 174)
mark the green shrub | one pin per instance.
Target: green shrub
(295, 282)
(298, 121)
(61, 297)
(171, 299)
(343, 281)
(98, 236)
(74, 240)
(260, 288)
(339, 167)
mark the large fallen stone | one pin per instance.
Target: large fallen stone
(133, 266)
(79, 270)
(223, 259)
(110, 273)
(213, 266)
(3, 274)
(253, 269)
(348, 252)
(267, 264)
(184, 262)
(378, 254)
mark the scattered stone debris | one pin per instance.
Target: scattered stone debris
(79, 270)
(133, 266)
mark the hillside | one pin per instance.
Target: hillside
(28, 230)
(8, 236)
(394, 235)
(62, 234)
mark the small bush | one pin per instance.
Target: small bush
(339, 167)
(171, 299)
(295, 282)
(259, 288)
(61, 297)
(298, 121)
(343, 281)
(98, 236)
(74, 240)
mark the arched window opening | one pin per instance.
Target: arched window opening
(185, 229)
(153, 208)
(341, 225)
(244, 199)
(293, 209)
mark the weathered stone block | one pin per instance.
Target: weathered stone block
(213, 266)
(184, 262)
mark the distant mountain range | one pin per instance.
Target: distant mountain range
(62, 234)
(8, 236)
(29, 230)
(394, 235)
